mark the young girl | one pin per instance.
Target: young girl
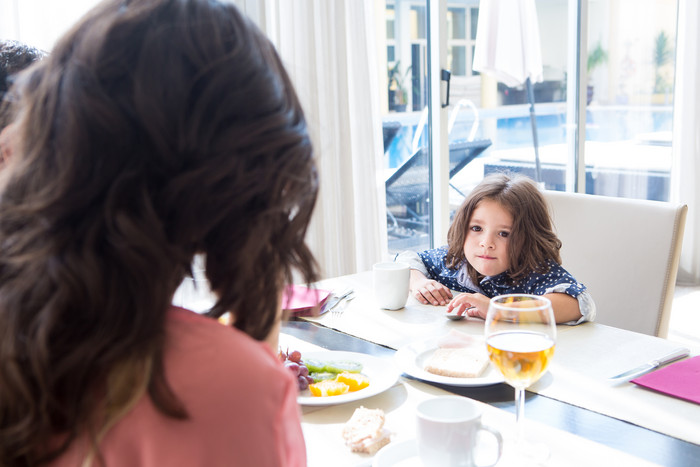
(501, 241)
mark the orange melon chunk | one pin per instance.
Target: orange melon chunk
(328, 388)
(355, 381)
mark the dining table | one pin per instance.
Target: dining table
(582, 416)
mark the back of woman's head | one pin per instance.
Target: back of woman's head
(154, 131)
(532, 240)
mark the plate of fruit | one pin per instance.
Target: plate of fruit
(336, 377)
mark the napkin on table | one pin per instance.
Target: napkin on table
(680, 379)
(303, 300)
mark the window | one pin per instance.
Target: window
(390, 35)
(457, 41)
(406, 140)
(628, 106)
(629, 117)
(461, 37)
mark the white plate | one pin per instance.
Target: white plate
(382, 375)
(401, 454)
(411, 360)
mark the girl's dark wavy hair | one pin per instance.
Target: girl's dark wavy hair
(532, 239)
(155, 130)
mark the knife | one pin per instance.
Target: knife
(652, 365)
(334, 300)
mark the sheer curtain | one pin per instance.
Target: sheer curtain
(329, 50)
(40, 22)
(686, 137)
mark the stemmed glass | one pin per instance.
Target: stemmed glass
(520, 335)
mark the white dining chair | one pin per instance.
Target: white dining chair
(626, 252)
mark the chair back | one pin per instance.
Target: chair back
(626, 252)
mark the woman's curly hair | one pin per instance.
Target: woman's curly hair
(155, 130)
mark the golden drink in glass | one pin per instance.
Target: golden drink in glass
(522, 357)
(520, 336)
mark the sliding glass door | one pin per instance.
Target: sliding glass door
(599, 119)
(406, 161)
(629, 113)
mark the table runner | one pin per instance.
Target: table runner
(322, 427)
(585, 356)
(325, 446)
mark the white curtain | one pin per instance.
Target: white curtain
(40, 22)
(686, 137)
(329, 49)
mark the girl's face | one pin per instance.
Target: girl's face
(486, 243)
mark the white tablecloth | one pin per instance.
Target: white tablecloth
(323, 427)
(585, 356)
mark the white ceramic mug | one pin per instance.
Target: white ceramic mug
(448, 428)
(391, 284)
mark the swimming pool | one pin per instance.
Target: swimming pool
(509, 127)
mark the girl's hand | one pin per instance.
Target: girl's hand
(470, 304)
(428, 291)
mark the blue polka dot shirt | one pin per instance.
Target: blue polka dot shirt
(491, 286)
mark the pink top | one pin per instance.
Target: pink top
(241, 402)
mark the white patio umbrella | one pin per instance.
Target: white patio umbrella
(508, 49)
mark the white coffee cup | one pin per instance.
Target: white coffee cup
(391, 284)
(448, 428)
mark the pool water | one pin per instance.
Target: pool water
(603, 124)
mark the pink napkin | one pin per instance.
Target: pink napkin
(680, 379)
(303, 299)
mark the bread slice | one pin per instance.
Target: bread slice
(365, 431)
(464, 362)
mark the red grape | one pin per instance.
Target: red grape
(293, 367)
(303, 383)
(295, 356)
(292, 361)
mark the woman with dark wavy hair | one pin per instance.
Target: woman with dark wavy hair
(155, 131)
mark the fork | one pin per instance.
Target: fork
(339, 308)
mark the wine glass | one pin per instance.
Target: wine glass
(520, 335)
